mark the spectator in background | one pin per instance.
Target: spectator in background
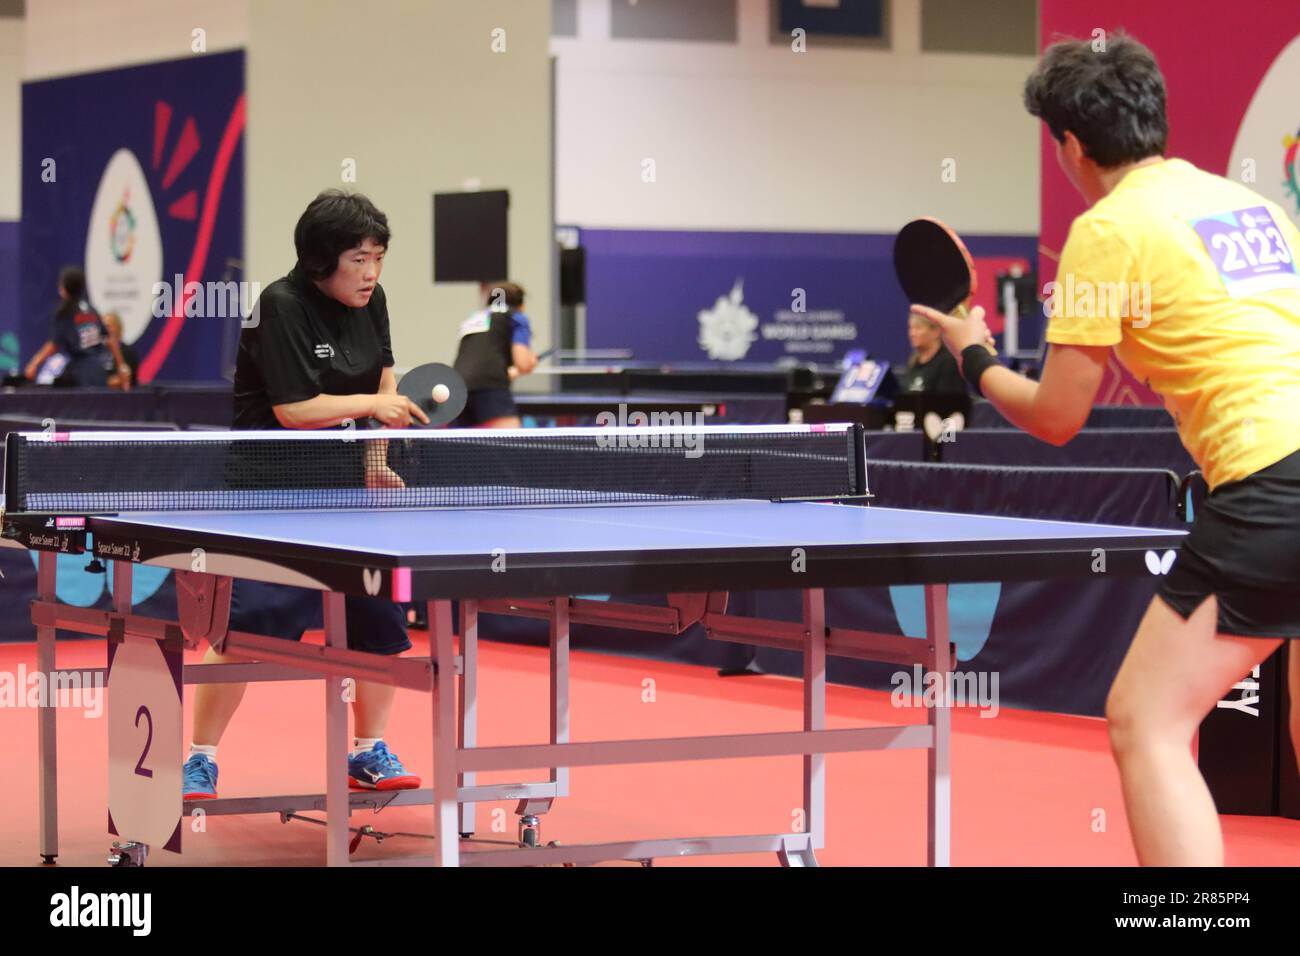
(77, 332)
(124, 380)
(931, 367)
(495, 349)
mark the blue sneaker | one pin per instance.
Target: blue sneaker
(379, 769)
(200, 778)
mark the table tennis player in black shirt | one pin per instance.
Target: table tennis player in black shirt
(317, 354)
(495, 348)
(931, 367)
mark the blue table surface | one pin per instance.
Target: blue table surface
(704, 526)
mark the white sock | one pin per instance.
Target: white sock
(209, 752)
(362, 744)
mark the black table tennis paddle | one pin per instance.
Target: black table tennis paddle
(935, 268)
(419, 384)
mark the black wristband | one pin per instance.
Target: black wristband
(975, 361)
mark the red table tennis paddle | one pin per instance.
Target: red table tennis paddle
(934, 267)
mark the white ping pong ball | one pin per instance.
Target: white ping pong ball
(441, 393)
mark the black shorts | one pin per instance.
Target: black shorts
(485, 404)
(88, 371)
(375, 625)
(1244, 549)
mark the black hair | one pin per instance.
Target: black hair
(1112, 99)
(333, 223)
(73, 281)
(509, 294)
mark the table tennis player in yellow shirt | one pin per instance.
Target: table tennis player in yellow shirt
(1192, 279)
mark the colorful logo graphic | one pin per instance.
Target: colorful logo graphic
(121, 229)
(1291, 167)
(124, 253)
(1272, 111)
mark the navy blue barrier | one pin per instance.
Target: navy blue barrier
(1098, 448)
(30, 423)
(84, 404)
(212, 405)
(984, 415)
(181, 405)
(188, 405)
(1123, 496)
(894, 446)
(582, 410)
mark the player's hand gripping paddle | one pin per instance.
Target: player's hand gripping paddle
(437, 389)
(934, 268)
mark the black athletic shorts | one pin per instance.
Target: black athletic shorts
(484, 404)
(1244, 548)
(376, 625)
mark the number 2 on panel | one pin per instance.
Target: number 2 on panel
(140, 768)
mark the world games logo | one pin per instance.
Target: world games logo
(729, 328)
(124, 251)
(121, 229)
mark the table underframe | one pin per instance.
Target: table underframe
(450, 673)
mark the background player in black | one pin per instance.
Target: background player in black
(318, 355)
(77, 331)
(495, 349)
(931, 367)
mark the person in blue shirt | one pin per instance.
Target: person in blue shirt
(495, 349)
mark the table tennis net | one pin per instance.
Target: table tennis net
(88, 473)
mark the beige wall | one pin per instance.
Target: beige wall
(412, 93)
(752, 135)
(11, 55)
(80, 36)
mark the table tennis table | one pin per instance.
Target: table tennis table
(529, 553)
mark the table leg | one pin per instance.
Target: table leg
(47, 716)
(939, 756)
(468, 703)
(441, 648)
(814, 712)
(560, 686)
(336, 739)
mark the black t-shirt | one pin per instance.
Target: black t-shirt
(484, 355)
(938, 375)
(306, 344)
(77, 331)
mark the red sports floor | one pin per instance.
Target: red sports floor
(1026, 786)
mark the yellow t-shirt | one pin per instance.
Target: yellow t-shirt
(1193, 278)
